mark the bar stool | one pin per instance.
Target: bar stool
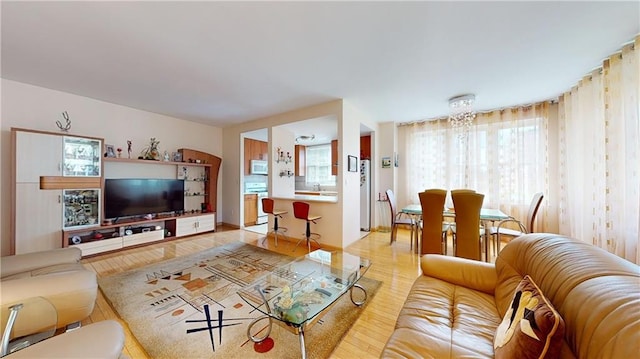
(301, 211)
(267, 207)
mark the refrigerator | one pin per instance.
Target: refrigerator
(365, 195)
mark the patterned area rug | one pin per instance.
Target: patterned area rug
(188, 307)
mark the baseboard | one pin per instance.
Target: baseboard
(228, 225)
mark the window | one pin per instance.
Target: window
(504, 157)
(318, 168)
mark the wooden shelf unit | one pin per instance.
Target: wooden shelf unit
(113, 235)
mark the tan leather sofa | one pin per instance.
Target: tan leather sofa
(56, 275)
(455, 307)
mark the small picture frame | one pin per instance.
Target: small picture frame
(109, 151)
(177, 156)
(386, 162)
(352, 164)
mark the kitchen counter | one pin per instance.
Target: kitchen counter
(316, 193)
(311, 198)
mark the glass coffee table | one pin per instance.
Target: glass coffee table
(297, 294)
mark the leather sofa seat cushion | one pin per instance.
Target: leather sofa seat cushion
(451, 320)
(59, 268)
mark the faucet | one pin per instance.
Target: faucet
(317, 187)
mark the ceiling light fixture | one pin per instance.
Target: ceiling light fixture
(305, 138)
(462, 113)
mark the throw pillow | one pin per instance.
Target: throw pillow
(531, 328)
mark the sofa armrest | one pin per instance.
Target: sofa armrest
(460, 271)
(20, 263)
(72, 294)
(99, 340)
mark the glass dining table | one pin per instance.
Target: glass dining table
(486, 215)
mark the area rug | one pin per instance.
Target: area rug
(188, 307)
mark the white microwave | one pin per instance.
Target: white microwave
(259, 167)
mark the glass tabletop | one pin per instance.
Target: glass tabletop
(297, 292)
(486, 214)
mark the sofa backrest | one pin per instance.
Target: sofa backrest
(596, 293)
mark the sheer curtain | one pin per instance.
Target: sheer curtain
(504, 156)
(599, 141)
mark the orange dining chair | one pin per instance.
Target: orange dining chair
(468, 235)
(267, 207)
(434, 230)
(528, 227)
(398, 218)
(301, 211)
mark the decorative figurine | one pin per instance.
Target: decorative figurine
(151, 151)
(129, 147)
(67, 125)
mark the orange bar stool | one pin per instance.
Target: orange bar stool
(301, 211)
(267, 207)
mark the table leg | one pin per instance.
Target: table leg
(303, 351)
(257, 339)
(359, 303)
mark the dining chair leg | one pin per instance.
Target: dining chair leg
(393, 234)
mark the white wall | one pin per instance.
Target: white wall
(330, 226)
(281, 186)
(38, 108)
(352, 119)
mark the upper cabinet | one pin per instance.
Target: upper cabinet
(365, 147)
(82, 157)
(254, 150)
(44, 155)
(37, 154)
(334, 157)
(300, 161)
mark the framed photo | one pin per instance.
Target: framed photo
(177, 156)
(386, 162)
(352, 164)
(109, 151)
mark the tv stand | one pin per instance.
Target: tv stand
(114, 237)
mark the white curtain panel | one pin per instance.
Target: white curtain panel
(504, 156)
(599, 141)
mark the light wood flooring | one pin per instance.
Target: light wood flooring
(396, 266)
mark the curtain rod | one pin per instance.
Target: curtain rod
(551, 101)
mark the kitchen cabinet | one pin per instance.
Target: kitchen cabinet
(250, 209)
(365, 147)
(254, 150)
(300, 161)
(334, 157)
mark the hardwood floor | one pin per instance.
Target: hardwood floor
(396, 266)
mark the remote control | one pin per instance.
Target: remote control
(325, 292)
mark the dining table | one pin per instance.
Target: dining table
(486, 215)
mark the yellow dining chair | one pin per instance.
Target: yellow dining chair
(468, 237)
(398, 219)
(452, 225)
(434, 230)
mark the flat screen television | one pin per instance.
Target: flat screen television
(127, 197)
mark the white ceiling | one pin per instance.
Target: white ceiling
(228, 62)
